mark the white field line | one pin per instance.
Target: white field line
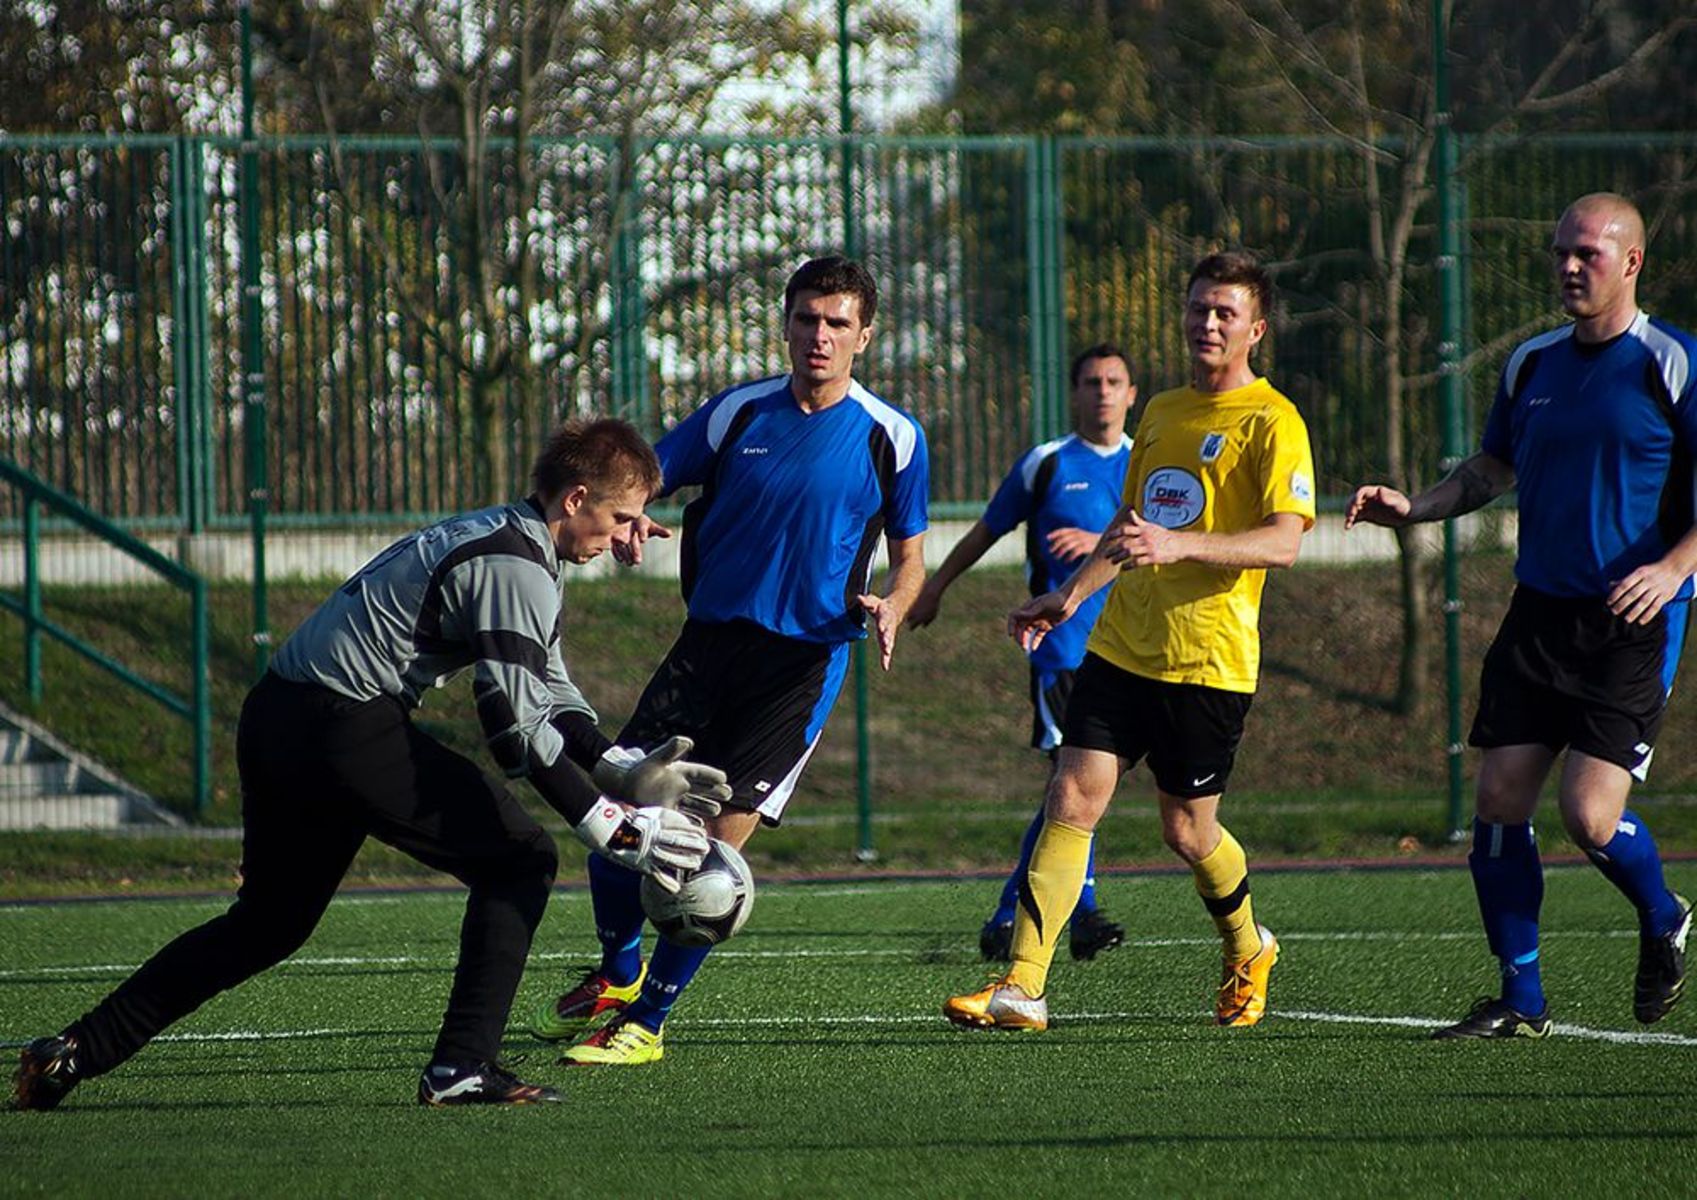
(883, 1021)
(444, 961)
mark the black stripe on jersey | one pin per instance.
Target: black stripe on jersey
(695, 512)
(883, 454)
(507, 743)
(585, 743)
(1225, 906)
(1034, 555)
(563, 785)
(508, 540)
(514, 649)
(1675, 513)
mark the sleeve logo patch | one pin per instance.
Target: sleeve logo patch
(1301, 486)
(1173, 497)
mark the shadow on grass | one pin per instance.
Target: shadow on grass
(1329, 687)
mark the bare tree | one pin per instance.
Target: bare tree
(531, 119)
(1361, 71)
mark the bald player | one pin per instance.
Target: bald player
(1595, 424)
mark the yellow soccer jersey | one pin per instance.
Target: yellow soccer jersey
(1210, 462)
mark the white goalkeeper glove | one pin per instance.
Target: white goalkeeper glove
(662, 779)
(657, 842)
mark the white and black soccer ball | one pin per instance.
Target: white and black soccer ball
(712, 904)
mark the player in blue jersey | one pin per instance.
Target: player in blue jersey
(1595, 423)
(1065, 492)
(801, 476)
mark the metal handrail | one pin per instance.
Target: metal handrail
(196, 707)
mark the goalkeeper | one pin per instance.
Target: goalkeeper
(329, 755)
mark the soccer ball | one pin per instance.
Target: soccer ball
(712, 904)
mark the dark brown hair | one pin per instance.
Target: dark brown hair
(1240, 268)
(1099, 350)
(834, 276)
(606, 455)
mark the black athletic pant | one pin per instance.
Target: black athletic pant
(319, 772)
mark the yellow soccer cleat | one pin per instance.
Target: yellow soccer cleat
(621, 1042)
(1243, 984)
(1002, 1005)
(588, 1004)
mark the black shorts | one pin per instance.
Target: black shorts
(1568, 672)
(1049, 693)
(754, 701)
(1188, 732)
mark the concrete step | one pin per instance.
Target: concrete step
(64, 811)
(21, 780)
(16, 745)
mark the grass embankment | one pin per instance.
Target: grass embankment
(1327, 769)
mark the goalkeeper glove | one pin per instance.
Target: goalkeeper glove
(658, 842)
(662, 779)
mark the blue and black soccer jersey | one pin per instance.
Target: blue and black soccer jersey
(1066, 483)
(1601, 440)
(792, 505)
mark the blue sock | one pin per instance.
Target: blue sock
(615, 896)
(1629, 861)
(1509, 881)
(669, 972)
(1010, 890)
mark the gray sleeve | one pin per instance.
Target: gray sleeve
(508, 610)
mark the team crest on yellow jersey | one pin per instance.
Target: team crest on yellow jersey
(1212, 444)
(1172, 497)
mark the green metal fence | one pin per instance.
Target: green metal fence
(654, 278)
(86, 628)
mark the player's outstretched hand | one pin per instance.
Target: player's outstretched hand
(926, 605)
(1645, 592)
(1031, 622)
(1376, 504)
(885, 624)
(1069, 544)
(627, 544)
(658, 842)
(662, 778)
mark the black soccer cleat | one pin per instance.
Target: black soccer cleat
(1490, 1018)
(1092, 934)
(995, 941)
(47, 1071)
(443, 1085)
(1661, 970)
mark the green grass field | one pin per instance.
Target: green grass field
(810, 1059)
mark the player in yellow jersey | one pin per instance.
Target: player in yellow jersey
(1220, 488)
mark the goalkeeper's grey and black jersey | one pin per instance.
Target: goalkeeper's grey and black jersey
(479, 590)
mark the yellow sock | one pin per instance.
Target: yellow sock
(1222, 878)
(1047, 896)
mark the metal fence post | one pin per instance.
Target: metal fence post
(32, 598)
(253, 358)
(1449, 391)
(200, 696)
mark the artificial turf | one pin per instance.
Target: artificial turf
(810, 1058)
